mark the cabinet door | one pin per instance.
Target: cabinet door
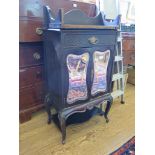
(76, 75)
(77, 68)
(102, 70)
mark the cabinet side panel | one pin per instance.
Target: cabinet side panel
(52, 66)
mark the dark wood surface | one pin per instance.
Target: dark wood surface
(26, 114)
(28, 27)
(31, 96)
(129, 58)
(30, 54)
(128, 44)
(128, 48)
(29, 76)
(67, 26)
(31, 99)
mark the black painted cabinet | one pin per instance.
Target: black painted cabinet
(78, 65)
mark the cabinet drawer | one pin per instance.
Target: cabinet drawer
(128, 45)
(31, 75)
(30, 55)
(87, 40)
(129, 58)
(28, 29)
(31, 96)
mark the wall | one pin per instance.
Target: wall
(114, 7)
(111, 8)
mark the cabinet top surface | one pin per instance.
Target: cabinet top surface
(76, 19)
(71, 26)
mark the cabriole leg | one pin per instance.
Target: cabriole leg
(63, 127)
(109, 103)
(48, 108)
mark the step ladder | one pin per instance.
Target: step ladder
(118, 75)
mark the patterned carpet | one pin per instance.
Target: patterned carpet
(126, 149)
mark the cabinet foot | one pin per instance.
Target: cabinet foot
(108, 106)
(62, 121)
(107, 119)
(48, 104)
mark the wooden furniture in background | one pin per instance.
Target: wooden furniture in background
(131, 73)
(31, 65)
(128, 47)
(129, 55)
(30, 79)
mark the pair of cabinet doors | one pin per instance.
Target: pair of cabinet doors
(87, 72)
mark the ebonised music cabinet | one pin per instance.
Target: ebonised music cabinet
(78, 56)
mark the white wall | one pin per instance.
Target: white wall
(109, 7)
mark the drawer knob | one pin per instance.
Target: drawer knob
(93, 40)
(38, 74)
(36, 56)
(22, 70)
(132, 57)
(39, 31)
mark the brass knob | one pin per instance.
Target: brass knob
(132, 57)
(93, 40)
(22, 70)
(38, 74)
(36, 56)
(39, 31)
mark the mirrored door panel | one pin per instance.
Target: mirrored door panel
(77, 67)
(100, 60)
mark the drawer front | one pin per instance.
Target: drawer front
(129, 58)
(30, 76)
(31, 96)
(86, 40)
(29, 30)
(128, 45)
(30, 55)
